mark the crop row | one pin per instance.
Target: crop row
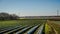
(21, 30)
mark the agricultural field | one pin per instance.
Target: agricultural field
(52, 27)
(22, 26)
(29, 26)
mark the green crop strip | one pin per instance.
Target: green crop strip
(49, 29)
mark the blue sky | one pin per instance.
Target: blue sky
(30, 7)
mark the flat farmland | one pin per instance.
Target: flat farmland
(29, 26)
(24, 26)
(55, 25)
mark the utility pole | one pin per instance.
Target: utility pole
(57, 13)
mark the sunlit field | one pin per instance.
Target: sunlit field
(27, 26)
(55, 26)
(8, 24)
(22, 22)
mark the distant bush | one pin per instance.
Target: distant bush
(6, 16)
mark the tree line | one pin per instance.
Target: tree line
(6, 16)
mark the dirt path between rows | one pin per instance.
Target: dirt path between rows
(53, 29)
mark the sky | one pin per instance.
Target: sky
(30, 7)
